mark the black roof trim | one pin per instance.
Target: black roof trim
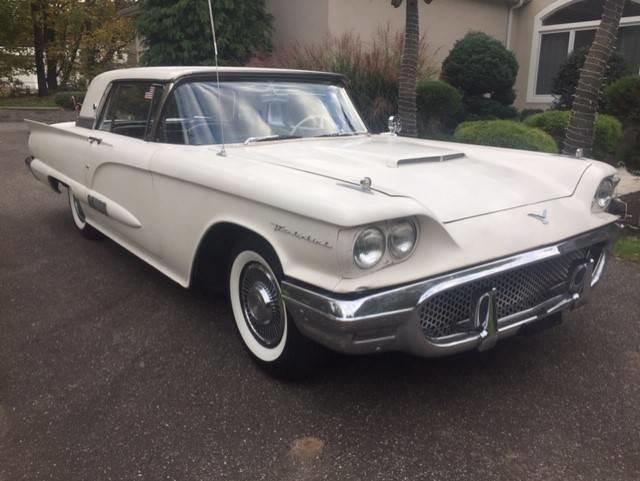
(321, 77)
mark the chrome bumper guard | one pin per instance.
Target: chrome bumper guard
(389, 320)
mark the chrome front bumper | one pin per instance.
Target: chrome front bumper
(389, 320)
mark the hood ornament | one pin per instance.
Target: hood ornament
(393, 124)
(541, 217)
(365, 184)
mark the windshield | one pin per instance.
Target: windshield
(198, 113)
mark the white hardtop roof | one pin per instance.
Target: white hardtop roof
(171, 73)
(166, 74)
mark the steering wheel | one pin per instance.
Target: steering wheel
(324, 123)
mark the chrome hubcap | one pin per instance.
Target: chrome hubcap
(262, 304)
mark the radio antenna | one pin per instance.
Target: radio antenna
(223, 152)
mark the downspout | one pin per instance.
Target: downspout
(513, 8)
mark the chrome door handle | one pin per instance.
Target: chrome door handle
(97, 140)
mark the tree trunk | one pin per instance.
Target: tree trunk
(581, 126)
(408, 71)
(52, 62)
(39, 45)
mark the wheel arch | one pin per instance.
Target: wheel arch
(212, 256)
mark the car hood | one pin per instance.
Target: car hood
(453, 181)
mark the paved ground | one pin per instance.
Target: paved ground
(108, 370)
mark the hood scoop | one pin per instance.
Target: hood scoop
(440, 157)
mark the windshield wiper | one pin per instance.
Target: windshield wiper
(340, 134)
(263, 138)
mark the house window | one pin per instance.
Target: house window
(573, 26)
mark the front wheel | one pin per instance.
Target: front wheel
(262, 319)
(79, 219)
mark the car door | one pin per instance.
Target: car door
(117, 167)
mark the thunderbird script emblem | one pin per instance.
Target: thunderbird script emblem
(541, 217)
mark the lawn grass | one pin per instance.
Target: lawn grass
(27, 101)
(628, 247)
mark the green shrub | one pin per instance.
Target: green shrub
(485, 72)
(566, 81)
(529, 112)
(65, 100)
(623, 99)
(629, 149)
(505, 133)
(439, 107)
(480, 64)
(608, 131)
(482, 108)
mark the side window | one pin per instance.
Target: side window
(127, 110)
(172, 129)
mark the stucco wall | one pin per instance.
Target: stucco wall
(299, 21)
(443, 22)
(521, 37)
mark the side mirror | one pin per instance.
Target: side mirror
(394, 125)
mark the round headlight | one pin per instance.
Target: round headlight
(402, 239)
(604, 194)
(369, 248)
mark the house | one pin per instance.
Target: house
(541, 33)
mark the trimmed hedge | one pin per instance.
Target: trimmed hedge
(505, 133)
(480, 64)
(64, 100)
(629, 149)
(608, 130)
(439, 107)
(623, 99)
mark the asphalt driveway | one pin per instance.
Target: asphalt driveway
(110, 371)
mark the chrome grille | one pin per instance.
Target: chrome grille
(519, 289)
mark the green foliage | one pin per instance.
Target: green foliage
(623, 99)
(629, 149)
(179, 32)
(371, 69)
(65, 99)
(15, 59)
(566, 81)
(505, 133)
(529, 112)
(608, 130)
(482, 108)
(485, 72)
(628, 247)
(26, 101)
(439, 107)
(480, 64)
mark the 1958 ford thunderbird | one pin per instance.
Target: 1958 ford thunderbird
(267, 183)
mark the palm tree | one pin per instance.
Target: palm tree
(409, 68)
(580, 131)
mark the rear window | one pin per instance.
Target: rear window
(127, 109)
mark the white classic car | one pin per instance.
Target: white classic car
(266, 182)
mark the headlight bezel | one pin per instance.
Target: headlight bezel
(605, 193)
(387, 258)
(383, 246)
(390, 246)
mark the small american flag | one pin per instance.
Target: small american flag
(148, 95)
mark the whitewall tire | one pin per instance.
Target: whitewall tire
(79, 218)
(257, 304)
(266, 328)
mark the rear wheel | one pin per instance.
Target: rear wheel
(264, 324)
(80, 220)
